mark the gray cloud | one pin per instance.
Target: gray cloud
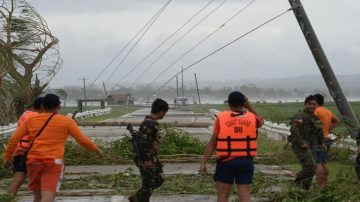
(92, 32)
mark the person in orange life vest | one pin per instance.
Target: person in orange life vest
(19, 164)
(329, 121)
(234, 139)
(44, 161)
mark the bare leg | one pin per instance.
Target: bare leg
(37, 196)
(325, 174)
(47, 196)
(16, 183)
(244, 192)
(319, 174)
(223, 191)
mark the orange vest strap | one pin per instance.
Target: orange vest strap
(248, 148)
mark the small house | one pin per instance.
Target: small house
(120, 99)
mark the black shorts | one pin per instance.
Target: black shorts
(239, 169)
(322, 156)
(19, 163)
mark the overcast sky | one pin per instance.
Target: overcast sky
(92, 32)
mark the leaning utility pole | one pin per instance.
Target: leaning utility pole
(106, 94)
(197, 89)
(328, 75)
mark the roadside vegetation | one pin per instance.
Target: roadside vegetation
(176, 146)
(179, 146)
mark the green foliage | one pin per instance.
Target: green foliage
(7, 198)
(274, 152)
(174, 142)
(3, 173)
(116, 111)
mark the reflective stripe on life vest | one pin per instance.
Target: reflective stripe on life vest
(237, 135)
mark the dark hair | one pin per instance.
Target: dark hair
(309, 98)
(51, 101)
(236, 99)
(159, 105)
(319, 99)
(36, 104)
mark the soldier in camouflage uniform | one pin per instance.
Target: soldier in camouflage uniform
(148, 163)
(306, 130)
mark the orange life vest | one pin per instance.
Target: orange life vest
(237, 135)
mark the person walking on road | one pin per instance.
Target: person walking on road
(19, 162)
(149, 145)
(48, 132)
(234, 140)
(306, 131)
(329, 121)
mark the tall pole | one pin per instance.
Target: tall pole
(182, 81)
(197, 89)
(177, 86)
(328, 74)
(106, 94)
(84, 87)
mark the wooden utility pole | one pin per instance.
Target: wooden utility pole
(177, 87)
(84, 87)
(197, 89)
(182, 81)
(106, 94)
(328, 74)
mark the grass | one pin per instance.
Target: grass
(116, 111)
(276, 112)
(175, 144)
(282, 112)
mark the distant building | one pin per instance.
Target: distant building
(181, 101)
(120, 99)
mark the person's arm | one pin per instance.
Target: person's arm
(82, 139)
(210, 148)
(295, 133)
(259, 119)
(335, 121)
(12, 143)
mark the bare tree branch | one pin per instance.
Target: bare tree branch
(27, 48)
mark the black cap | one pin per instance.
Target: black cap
(51, 101)
(36, 103)
(236, 99)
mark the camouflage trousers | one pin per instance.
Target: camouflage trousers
(151, 178)
(308, 166)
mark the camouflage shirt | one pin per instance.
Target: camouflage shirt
(149, 141)
(306, 128)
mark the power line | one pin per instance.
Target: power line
(199, 43)
(224, 46)
(158, 58)
(162, 43)
(127, 44)
(137, 41)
